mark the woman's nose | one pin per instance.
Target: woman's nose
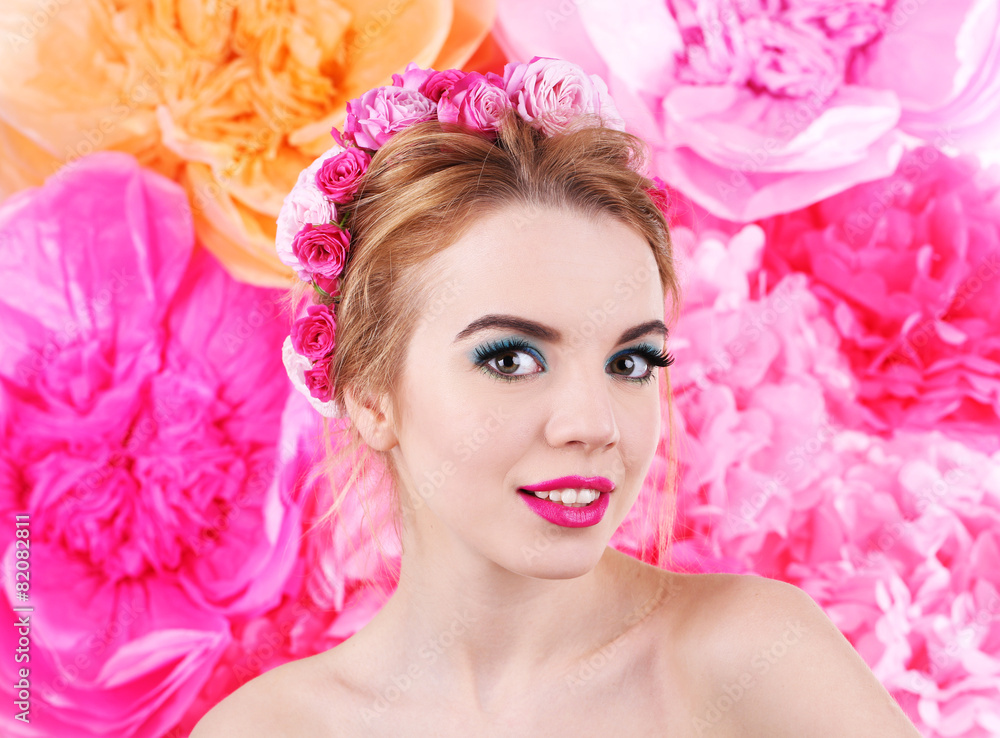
(581, 408)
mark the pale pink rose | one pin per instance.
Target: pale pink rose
(909, 271)
(755, 109)
(313, 335)
(379, 113)
(474, 102)
(551, 93)
(296, 366)
(143, 395)
(305, 204)
(339, 175)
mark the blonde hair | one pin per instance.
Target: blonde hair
(425, 187)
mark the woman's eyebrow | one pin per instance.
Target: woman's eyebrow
(545, 333)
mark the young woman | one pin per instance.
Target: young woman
(513, 616)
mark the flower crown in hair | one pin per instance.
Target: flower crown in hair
(550, 94)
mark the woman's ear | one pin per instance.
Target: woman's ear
(372, 416)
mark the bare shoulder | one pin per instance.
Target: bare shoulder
(294, 699)
(770, 662)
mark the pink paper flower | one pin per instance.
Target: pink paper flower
(322, 249)
(756, 109)
(339, 176)
(550, 93)
(896, 538)
(313, 334)
(909, 271)
(141, 405)
(379, 113)
(474, 101)
(343, 583)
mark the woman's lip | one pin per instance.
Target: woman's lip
(568, 517)
(601, 484)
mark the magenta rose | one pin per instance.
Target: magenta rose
(440, 82)
(660, 196)
(322, 249)
(474, 101)
(313, 334)
(318, 380)
(340, 175)
(378, 114)
(330, 285)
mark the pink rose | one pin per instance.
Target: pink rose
(550, 93)
(413, 77)
(306, 203)
(322, 249)
(313, 334)
(475, 102)
(440, 82)
(375, 116)
(330, 285)
(318, 380)
(660, 196)
(339, 176)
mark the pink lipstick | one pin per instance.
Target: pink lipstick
(569, 517)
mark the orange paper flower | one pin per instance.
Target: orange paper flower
(232, 99)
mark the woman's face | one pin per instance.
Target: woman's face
(555, 392)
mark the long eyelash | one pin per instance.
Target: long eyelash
(487, 352)
(653, 357)
(497, 348)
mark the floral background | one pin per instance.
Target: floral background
(837, 221)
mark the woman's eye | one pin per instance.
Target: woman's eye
(629, 363)
(512, 363)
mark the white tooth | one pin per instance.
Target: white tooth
(543, 495)
(569, 496)
(556, 495)
(587, 495)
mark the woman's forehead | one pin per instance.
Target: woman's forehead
(566, 272)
